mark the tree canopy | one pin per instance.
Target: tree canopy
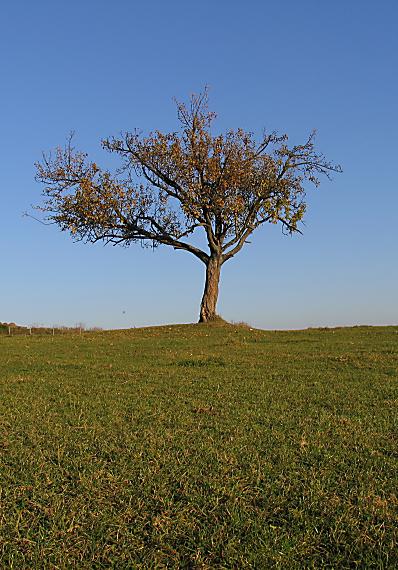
(171, 185)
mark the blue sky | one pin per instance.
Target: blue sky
(99, 67)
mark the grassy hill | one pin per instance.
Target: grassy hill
(199, 446)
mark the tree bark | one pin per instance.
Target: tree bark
(210, 294)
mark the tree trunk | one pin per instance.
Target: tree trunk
(210, 294)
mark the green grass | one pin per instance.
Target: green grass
(200, 447)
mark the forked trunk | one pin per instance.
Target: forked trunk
(210, 294)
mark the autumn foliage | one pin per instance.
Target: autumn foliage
(172, 185)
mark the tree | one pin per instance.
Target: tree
(172, 185)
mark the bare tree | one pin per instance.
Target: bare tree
(172, 185)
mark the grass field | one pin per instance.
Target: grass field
(200, 447)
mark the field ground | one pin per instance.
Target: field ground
(199, 446)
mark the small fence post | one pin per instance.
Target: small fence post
(9, 331)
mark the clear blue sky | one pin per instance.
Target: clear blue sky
(99, 67)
